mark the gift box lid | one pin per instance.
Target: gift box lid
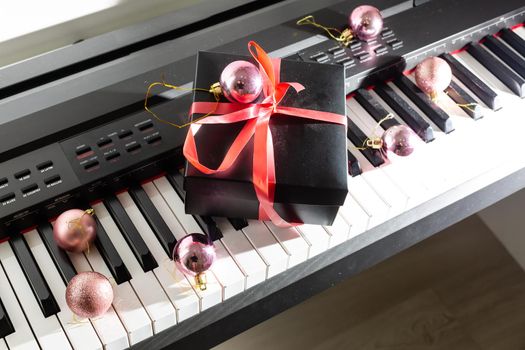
(310, 156)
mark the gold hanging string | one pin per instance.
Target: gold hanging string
(344, 37)
(468, 106)
(76, 225)
(215, 89)
(375, 141)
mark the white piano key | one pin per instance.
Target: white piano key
(243, 253)
(317, 236)
(3, 345)
(126, 303)
(155, 301)
(339, 231)
(22, 338)
(352, 212)
(367, 198)
(175, 284)
(268, 247)
(80, 334)
(48, 331)
(109, 328)
(213, 293)
(224, 268)
(292, 242)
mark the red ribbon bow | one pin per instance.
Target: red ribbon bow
(257, 118)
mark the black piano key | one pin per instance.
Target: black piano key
(206, 223)
(464, 101)
(476, 85)
(357, 137)
(38, 284)
(154, 219)
(59, 256)
(512, 59)
(110, 255)
(6, 327)
(513, 81)
(374, 108)
(354, 168)
(514, 40)
(420, 99)
(130, 233)
(407, 113)
(238, 223)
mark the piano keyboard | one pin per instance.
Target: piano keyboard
(138, 227)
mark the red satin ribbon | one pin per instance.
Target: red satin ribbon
(257, 117)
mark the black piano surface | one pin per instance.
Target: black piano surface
(60, 112)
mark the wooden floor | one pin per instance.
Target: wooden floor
(457, 290)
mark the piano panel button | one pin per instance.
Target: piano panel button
(466, 102)
(317, 237)
(355, 45)
(394, 44)
(51, 180)
(358, 138)
(110, 255)
(346, 61)
(267, 246)
(374, 108)
(207, 224)
(513, 81)
(338, 231)
(337, 50)
(91, 165)
(420, 99)
(476, 85)
(407, 113)
(3, 182)
(83, 152)
(22, 337)
(8, 197)
(514, 40)
(104, 142)
(238, 223)
(153, 139)
(47, 330)
(6, 327)
(125, 133)
(44, 166)
(177, 287)
(386, 32)
(243, 253)
(398, 170)
(381, 49)
(109, 327)
(224, 268)
(213, 292)
(512, 59)
(354, 168)
(22, 174)
(130, 233)
(292, 242)
(81, 335)
(41, 291)
(355, 216)
(362, 56)
(153, 218)
(59, 256)
(133, 148)
(148, 289)
(112, 156)
(144, 127)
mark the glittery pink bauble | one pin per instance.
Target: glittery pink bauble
(241, 82)
(74, 230)
(365, 22)
(89, 294)
(194, 254)
(400, 140)
(433, 75)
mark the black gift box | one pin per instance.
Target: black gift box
(310, 156)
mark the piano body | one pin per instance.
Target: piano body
(73, 133)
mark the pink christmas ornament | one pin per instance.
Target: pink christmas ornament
(193, 255)
(433, 75)
(75, 229)
(365, 22)
(89, 294)
(241, 82)
(400, 140)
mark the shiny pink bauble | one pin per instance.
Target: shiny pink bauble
(74, 230)
(433, 75)
(241, 82)
(400, 140)
(194, 254)
(365, 22)
(89, 294)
